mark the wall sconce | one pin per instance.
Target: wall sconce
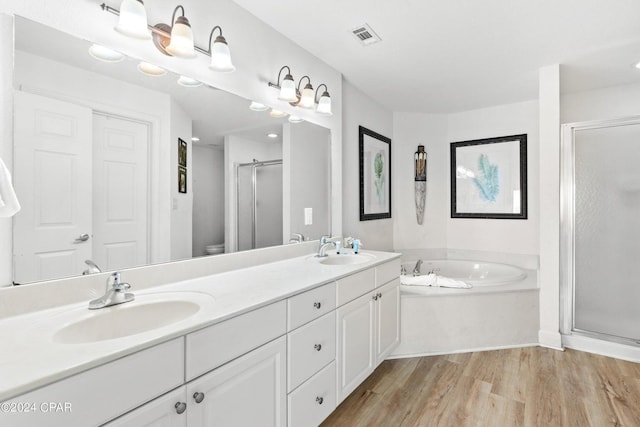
(324, 103)
(180, 41)
(304, 99)
(420, 184)
(288, 86)
(220, 54)
(133, 20)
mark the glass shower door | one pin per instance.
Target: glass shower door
(606, 255)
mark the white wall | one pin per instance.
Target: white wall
(409, 131)
(208, 197)
(498, 235)
(182, 203)
(602, 104)
(360, 110)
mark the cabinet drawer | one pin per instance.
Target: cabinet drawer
(310, 305)
(309, 348)
(314, 400)
(351, 287)
(213, 346)
(100, 394)
(387, 272)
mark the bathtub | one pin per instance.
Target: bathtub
(501, 310)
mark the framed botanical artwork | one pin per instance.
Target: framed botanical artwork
(375, 175)
(182, 179)
(182, 153)
(489, 178)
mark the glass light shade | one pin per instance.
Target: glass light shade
(151, 70)
(188, 82)
(181, 44)
(288, 89)
(324, 105)
(307, 99)
(277, 113)
(295, 119)
(105, 54)
(257, 106)
(221, 56)
(133, 20)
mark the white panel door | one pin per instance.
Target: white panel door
(52, 178)
(249, 391)
(120, 188)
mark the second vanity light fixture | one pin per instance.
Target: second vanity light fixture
(173, 40)
(305, 98)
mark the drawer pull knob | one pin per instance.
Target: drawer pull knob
(180, 407)
(198, 396)
(320, 400)
(317, 305)
(375, 297)
(318, 347)
(379, 295)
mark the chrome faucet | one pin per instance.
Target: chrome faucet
(325, 243)
(114, 294)
(416, 269)
(296, 238)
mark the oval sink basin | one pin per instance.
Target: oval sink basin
(346, 259)
(145, 313)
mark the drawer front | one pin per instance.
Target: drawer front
(351, 287)
(310, 305)
(94, 397)
(310, 348)
(213, 346)
(314, 400)
(387, 272)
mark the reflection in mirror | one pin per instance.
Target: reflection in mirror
(127, 168)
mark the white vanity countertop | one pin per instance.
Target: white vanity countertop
(29, 358)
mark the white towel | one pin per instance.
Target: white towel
(433, 280)
(9, 204)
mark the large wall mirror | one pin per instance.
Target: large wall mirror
(127, 169)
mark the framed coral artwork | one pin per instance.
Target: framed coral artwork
(375, 175)
(489, 178)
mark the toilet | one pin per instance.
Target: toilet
(215, 249)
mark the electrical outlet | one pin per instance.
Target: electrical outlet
(308, 216)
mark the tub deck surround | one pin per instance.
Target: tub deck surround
(29, 358)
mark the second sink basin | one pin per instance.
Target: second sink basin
(147, 312)
(346, 259)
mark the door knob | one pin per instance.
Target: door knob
(82, 238)
(180, 407)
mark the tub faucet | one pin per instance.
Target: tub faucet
(416, 269)
(114, 294)
(93, 268)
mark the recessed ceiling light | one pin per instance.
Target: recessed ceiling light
(295, 119)
(272, 135)
(257, 106)
(188, 82)
(105, 54)
(277, 113)
(195, 139)
(151, 70)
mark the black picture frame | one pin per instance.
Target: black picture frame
(375, 175)
(182, 180)
(182, 152)
(489, 178)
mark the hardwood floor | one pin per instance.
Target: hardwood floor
(531, 386)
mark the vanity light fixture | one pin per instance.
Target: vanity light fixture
(105, 54)
(277, 113)
(220, 54)
(288, 86)
(295, 119)
(188, 82)
(324, 103)
(181, 42)
(258, 106)
(133, 20)
(305, 99)
(151, 70)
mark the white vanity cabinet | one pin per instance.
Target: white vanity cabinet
(368, 327)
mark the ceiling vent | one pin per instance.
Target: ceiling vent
(366, 35)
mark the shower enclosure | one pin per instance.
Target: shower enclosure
(259, 204)
(601, 236)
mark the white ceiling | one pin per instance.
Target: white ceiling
(455, 55)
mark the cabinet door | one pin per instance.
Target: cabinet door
(165, 411)
(387, 319)
(355, 350)
(248, 391)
